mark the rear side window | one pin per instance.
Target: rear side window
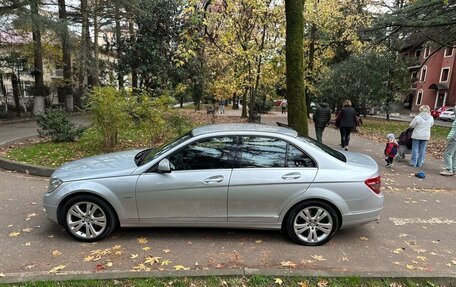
(271, 152)
(334, 153)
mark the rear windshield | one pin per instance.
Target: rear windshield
(323, 147)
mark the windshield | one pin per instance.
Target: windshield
(325, 148)
(147, 155)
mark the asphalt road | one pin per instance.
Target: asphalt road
(414, 237)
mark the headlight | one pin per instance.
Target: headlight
(53, 184)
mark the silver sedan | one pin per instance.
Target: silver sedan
(225, 175)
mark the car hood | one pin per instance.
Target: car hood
(359, 159)
(105, 165)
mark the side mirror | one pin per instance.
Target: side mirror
(164, 166)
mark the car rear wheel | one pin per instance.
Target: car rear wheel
(88, 218)
(312, 223)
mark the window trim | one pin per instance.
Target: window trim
(446, 55)
(441, 74)
(423, 79)
(420, 91)
(427, 52)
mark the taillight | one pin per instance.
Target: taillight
(374, 184)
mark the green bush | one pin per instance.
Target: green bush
(151, 114)
(110, 115)
(55, 125)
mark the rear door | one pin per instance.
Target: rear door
(270, 172)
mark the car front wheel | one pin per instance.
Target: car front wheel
(312, 223)
(88, 218)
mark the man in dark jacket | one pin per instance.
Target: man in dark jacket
(321, 118)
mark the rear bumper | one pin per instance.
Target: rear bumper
(359, 218)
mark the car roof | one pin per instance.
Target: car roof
(243, 127)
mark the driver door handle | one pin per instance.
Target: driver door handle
(293, 175)
(214, 179)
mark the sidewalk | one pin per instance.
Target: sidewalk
(400, 176)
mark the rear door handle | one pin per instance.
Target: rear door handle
(214, 179)
(293, 175)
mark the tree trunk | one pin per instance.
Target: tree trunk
(3, 90)
(16, 92)
(66, 52)
(244, 103)
(38, 103)
(297, 111)
(96, 28)
(119, 44)
(131, 24)
(310, 66)
(83, 54)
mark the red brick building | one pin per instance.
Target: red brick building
(432, 78)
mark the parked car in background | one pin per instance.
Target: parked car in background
(447, 115)
(436, 112)
(224, 175)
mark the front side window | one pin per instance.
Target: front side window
(210, 153)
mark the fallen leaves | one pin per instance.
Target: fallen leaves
(318, 257)
(364, 238)
(133, 256)
(278, 281)
(2, 275)
(142, 240)
(322, 283)
(56, 253)
(180, 267)
(152, 260)
(57, 269)
(14, 234)
(288, 264)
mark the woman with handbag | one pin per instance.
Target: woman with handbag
(346, 121)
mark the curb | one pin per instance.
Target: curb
(442, 278)
(24, 167)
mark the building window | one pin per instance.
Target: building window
(418, 53)
(419, 97)
(444, 74)
(414, 76)
(448, 52)
(423, 74)
(427, 52)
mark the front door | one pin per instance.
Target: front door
(195, 191)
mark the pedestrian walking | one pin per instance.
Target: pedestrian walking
(421, 125)
(346, 121)
(321, 118)
(449, 157)
(222, 106)
(284, 105)
(390, 149)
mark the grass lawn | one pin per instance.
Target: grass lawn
(260, 281)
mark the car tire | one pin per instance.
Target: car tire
(88, 218)
(303, 226)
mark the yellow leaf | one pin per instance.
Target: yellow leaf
(166, 262)
(142, 240)
(410, 267)
(14, 234)
(288, 264)
(109, 264)
(118, 253)
(180, 267)
(116, 247)
(322, 283)
(26, 229)
(397, 250)
(258, 241)
(56, 269)
(10, 225)
(166, 250)
(364, 238)
(32, 215)
(303, 284)
(147, 248)
(88, 258)
(448, 264)
(318, 257)
(133, 256)
(2, 275)
(56, 253)
(278, 281)
(140, 267)
(28, 243)
(453, 261)
(151, 260)
(345, 259)
(422, 258)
